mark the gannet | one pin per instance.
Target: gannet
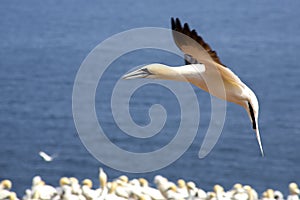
(220, 193)
(252, 194)
(154, 193)
(40, 190)
(268, 195)
(202, 64)
(182, 188)
(294, 192)
(5, 192)
(278, 195)
(47, 157)
(87, 189)
(5, 184)
(194, 192)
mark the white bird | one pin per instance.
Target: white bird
(40, 190)
(196, 193)
(154, 193)
(5, 184)
(87, 190)
(47, 157)
(278, 195)
(252, 194)
(220, 193)
(182, 188)
(294, 191)
(104, 185)
(5, 192)
(268, 195)
(203, 69)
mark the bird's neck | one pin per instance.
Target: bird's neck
(184, 73)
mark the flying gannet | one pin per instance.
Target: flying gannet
(202, 64)
(46, 157)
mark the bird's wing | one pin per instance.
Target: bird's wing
(45, 156)
(198, 51)
(190, 44)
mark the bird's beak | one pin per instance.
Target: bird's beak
(140, 73)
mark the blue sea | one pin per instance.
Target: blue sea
(43, 43)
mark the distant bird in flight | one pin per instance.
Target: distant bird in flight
(202, 64)
(47, 157)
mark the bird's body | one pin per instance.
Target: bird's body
(203, 69)
(294, 192)
(47, 157)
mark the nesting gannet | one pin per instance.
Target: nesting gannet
(75, 186)
(154, 193)
(122, 180)
(252, 194)
(294, 192)
(5, 184)
(172, 192)
(220, 193)
(278, 195)
(182, 188)
(111, 195)
(123, 189)
(268, 195)
(87, 190)
(102, 178)
(238, 192)
(5, 192)
(203, 64)
(194, 192)
(64, 183)
(40, 190)
(104, 185)
(162, 184)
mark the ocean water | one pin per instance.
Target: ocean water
(43, 43)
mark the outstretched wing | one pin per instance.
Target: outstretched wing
(197, 50)
(182, 41)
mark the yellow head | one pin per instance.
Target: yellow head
(143, 182)
(6, 184)
(218, 189)
(64, 181)
(294, 190)
(181, 183)
(87, 182)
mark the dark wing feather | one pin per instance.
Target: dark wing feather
(185, 29)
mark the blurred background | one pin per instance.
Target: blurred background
(43, 43)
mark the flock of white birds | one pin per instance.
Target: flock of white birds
(122, 188)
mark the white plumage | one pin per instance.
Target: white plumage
(203, 69)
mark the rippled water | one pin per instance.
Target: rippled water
(42, 44)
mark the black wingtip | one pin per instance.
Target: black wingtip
(186, 26)
(173, 23)
(178, 23)
(192, 33)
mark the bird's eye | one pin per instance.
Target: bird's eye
(146, 71)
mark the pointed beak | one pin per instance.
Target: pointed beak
(140, 73)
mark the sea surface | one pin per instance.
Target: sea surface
(43, 43)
